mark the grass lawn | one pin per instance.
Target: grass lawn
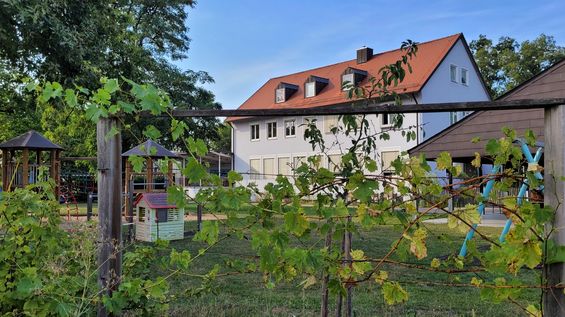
(72, 209)
(245, 295)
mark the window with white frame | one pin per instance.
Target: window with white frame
(452, 117)
(254, 169)
(387, 157)
(284, 166)
(388, 119)
(269, 167)
(310, 89)
(330, 122)
(254, 132)
(347, 81)
(272, 130)
(280, 95)
(464, 76)
(453, 73)
(458, 115)
(289, 128)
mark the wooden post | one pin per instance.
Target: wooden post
(170, 173)
(52, 159)
(37, 165)
(109, 208)
(11, 170)
(54, 170)
(128, 207)
(25, 167)
(149, 179)
(89, 201)
(129, 199)
(324, 311)
(129, 189)
(349, 287)
(5, 179)
(199, 217)
(339, 302)
(449, 183)
(554, 163)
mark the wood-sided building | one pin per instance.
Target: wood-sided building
(486, 125)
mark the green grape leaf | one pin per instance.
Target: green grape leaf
(394, 293)
(209, 232)
(443, 161)
(194, 171)
(152, 132)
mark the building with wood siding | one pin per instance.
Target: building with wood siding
(486, 125)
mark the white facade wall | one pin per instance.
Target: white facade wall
(245, 149)
(438, 89)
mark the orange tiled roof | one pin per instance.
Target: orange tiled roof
(429, 56)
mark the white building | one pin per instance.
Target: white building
(443, 71)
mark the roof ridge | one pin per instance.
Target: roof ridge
(28, 136)
(540, 75)
(354, 59)
(432, 51)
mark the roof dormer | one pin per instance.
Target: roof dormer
(284, 91)
(352, 76)
(314, 85)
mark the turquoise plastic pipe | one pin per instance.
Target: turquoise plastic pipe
(480, 210)
(524, 186)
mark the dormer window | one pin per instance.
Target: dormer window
(309, 90)
(284, 91)
(351, 77)
(314, 85)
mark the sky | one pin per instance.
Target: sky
(243, 43)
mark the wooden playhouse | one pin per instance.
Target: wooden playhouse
(155, 218)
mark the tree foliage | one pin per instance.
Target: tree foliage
(76, 43)
(508, 63)
(288, 238)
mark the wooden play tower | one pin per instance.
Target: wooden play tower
(145, 181)
(24, 156)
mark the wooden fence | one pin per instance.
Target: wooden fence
(109, 174)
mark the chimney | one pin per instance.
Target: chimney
(364, 54)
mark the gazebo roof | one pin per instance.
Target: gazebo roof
(30, 140)
(150, 148)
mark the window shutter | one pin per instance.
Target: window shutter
(254, 168)
(387, 158)
(269, 167)
(330, 122)
(284, 168)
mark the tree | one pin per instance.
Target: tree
(223, 144)
(506, 64)
(76, 43)
(287, 237)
